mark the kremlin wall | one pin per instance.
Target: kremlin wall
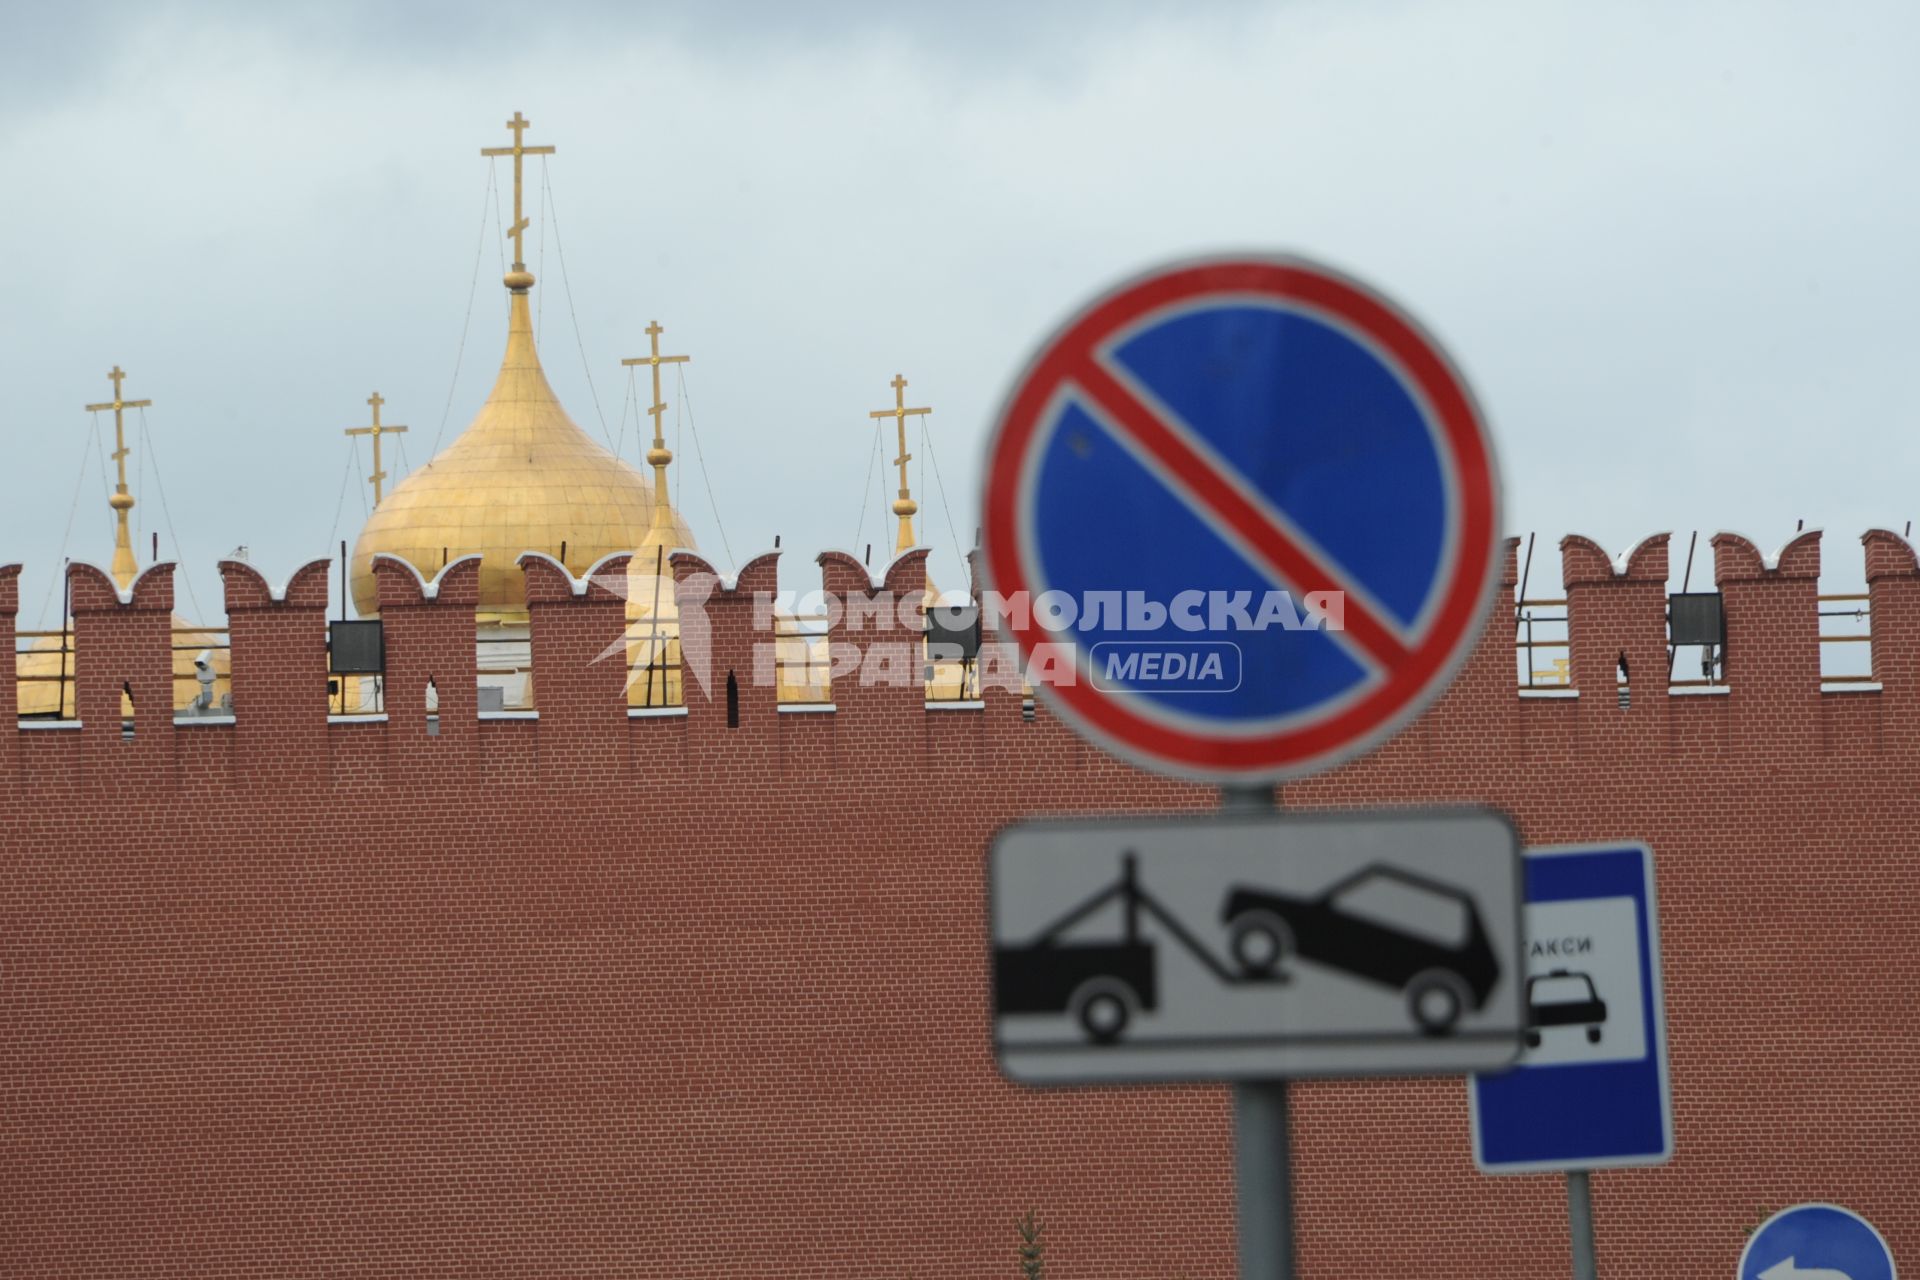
(696, 985)
(605, 990)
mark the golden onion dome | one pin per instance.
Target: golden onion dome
(522, 477)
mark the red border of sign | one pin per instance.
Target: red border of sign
(1449, 635)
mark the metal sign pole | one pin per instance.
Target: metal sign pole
(1193, 316)
(1262, 1144)
(1580, 1225)
(1263, 1174)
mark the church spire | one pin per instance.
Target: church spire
(659, 456)
(904, 506)
(519, 279)
(125, 568)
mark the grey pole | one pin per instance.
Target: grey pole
(1263, 1173)
(1263, 1147)
(1580, 1225)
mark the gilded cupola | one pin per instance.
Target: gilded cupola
(521, 477)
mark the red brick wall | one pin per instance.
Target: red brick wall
(651, 996)
(9, 683)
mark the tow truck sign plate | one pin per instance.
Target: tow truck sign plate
(1257, 946)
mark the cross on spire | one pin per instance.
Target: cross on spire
(377, 430)
(903, 506)
(519, 279)
(124, 565)
(658, 456)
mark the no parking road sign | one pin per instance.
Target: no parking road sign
(1240, 519)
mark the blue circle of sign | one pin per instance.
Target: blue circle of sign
(1315, 421)
(1816, 1242)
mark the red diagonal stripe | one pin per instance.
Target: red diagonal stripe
(1198, 477)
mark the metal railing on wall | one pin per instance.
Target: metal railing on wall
(503, 668)
(802, 661)
(43, 665)
(356, 695)
(653, 664)
(1539, 635)
(952, 679)
(1846, 620)
(1541, 644)
(201, 659)
(202, 671)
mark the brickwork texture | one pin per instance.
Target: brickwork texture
(657, 996)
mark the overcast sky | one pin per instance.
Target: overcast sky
(1671, 246)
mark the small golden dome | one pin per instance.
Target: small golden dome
(522, 477)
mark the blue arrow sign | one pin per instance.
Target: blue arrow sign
(1590, 1090)
(1816, 1242)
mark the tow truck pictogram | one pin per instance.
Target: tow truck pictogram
(1104, 985)
(1101, 985)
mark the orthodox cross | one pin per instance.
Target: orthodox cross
(377, 430)
(124, 566)
(517, 150)
(659, 456)
(904, 506)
